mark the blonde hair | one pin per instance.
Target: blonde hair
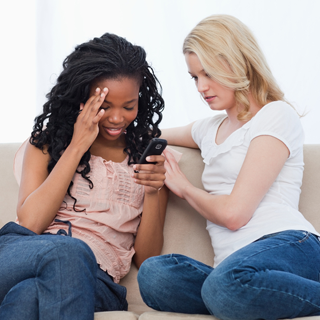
(230, 54)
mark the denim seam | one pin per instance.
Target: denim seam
(54, 248)
(190, 265)
(278, 291)
(278, 245)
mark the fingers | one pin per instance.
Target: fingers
(91, 108)
(86, 127)
(159, 162)
(150, 175)
(98, 117)
(155, 181)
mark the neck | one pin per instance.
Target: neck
(254, 107)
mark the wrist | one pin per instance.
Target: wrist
(187, 190)
(151, 192)
(75, 150)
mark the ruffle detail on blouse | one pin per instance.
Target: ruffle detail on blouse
(212, 150)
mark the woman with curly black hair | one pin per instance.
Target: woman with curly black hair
(78, 181)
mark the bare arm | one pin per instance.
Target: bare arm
(149, 239)
(264, 160)
(180, 136)
(40, 193)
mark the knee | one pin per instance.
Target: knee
(69, 254)
(152, 275)
(74, 249)
(224, 296)
(216, 293)
(147, 275)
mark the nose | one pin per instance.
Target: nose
(115, 117)
(202, 85)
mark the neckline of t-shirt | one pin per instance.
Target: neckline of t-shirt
(248, 123)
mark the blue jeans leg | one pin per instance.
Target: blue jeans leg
(63, 268)
(173, 283)
(275, 277)
(109, 296)
(25, 291)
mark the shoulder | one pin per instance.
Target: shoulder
(276, 109)
(280, 120)
(28, 153)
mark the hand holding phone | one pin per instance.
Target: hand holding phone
(155, 147)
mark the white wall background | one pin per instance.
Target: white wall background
(36, 36)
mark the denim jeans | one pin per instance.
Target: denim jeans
(52, 277)
(274, 277)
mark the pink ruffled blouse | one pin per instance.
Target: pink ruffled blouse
(111, 213)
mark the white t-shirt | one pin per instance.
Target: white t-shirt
(278, 210)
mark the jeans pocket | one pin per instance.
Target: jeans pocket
(306, 236)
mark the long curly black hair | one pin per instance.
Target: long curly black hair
(107, 57)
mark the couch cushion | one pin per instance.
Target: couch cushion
(157, 315)
(115, 315)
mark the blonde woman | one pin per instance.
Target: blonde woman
(267, 256)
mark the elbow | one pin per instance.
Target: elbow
(137, 263)
(233, 225)
(30, 227)
(26, 223)
(235, 219)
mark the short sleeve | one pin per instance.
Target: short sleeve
(280, 120)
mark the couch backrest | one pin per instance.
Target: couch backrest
(310, 191)
(8, 185)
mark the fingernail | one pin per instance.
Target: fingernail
(97, 90)
(105, 89)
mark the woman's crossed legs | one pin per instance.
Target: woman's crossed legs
(274, 277)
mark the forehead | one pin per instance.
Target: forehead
(125, 88)
(193, 62)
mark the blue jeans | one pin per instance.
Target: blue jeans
(274, 277)
(52, 277)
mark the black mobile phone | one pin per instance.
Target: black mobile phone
(155, 147)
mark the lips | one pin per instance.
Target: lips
(210, 98)
(113, 131)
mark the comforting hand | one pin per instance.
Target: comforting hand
(86, 127)
(152, 176)
(176, 181)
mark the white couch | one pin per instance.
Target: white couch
(184, 232)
